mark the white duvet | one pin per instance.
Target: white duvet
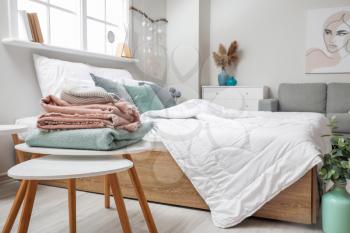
(239, 160)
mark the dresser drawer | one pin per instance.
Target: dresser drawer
(241, 98)
(233, 93)
(247, 105)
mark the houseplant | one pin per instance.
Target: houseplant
(224, 59)
(336, 202)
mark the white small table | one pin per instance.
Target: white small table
(12, 129)
(71, 164)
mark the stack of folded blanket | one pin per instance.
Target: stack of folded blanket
(63, 115)
(87, 119)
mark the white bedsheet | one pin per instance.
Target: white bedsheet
(239, 160)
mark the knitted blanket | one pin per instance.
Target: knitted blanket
(88, 95)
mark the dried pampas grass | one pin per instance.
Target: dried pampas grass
(224, 58)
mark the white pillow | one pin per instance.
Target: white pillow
(54, 75)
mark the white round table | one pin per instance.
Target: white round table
(14, 130)
(54, 167)
(71, 164)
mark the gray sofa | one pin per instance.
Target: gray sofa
(330, 99)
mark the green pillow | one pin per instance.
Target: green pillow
(144, 98)
(162, 93)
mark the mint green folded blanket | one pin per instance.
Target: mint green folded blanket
(88, 139)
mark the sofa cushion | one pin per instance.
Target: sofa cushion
(342, 122)
(268, 105)
(303, 97)
(338, 98)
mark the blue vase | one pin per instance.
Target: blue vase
(231, 81)
(222, 77)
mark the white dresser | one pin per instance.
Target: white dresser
(238, 97)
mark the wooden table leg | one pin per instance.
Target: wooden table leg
(19, 154)
(28, 206)
(15, 207)
(119, 202)
(141, 197)
(107, 192)
(72, 206)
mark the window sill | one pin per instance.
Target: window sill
(44, 47)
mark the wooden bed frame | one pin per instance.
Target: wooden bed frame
(164, 182)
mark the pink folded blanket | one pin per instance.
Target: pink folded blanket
(61, 115)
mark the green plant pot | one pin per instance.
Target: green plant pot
(336, 210)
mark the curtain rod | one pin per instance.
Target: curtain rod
(147, 17)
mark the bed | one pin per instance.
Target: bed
(299, 203)
(280, 183)
(167, 181)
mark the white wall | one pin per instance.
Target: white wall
(19, 91)
(271, 35)
(204, 41)
(183, 46)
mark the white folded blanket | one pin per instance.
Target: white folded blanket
(240, 160)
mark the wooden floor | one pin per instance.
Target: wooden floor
(50, 214)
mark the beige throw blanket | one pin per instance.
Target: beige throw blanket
(61, 115)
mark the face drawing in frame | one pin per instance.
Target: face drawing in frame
(336, 38)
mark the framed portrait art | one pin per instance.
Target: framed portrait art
(328, 41)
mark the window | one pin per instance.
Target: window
(106, 24)
(92, 25)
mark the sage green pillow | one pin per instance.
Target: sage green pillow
(144, 98)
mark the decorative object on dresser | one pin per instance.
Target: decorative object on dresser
(239, 97)
(231, 81)
(225, 59)
(336, 168)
